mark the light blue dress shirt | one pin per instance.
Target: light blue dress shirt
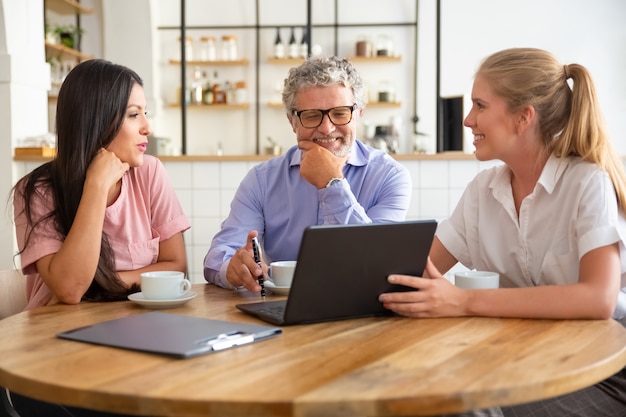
(276, 201)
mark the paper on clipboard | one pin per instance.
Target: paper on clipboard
(169, 334)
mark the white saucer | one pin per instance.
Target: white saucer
(139, 299)
(276, 289)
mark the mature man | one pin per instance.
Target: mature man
(329, 177)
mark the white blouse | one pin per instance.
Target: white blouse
(572, 210)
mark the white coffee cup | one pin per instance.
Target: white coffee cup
(281, 272)
(164, 285)
(471, 280)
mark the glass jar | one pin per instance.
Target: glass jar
(207, 48)
(363, 46)
(241, 92)
(229, 47)
(386, 93)
(384, 45)
(188, 48)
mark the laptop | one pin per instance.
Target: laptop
(342, 269)
(172, 335)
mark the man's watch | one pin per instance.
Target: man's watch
(333, 181)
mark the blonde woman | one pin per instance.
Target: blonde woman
(550, 220)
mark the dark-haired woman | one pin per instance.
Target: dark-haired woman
(101, 212)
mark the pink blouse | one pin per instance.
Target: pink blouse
(146, 212)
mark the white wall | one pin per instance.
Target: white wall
(129, 38)
(24, 80)
(591, 33)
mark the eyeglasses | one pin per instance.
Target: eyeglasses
(339, 116)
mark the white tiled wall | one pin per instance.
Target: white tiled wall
(205, 190)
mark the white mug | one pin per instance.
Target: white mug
(471, 280)
(164, 285)
(281, 272)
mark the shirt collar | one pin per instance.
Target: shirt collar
(552, 171)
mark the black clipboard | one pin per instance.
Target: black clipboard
(172, 335)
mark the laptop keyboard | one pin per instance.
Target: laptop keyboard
(274, 311)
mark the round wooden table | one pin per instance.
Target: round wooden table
(379, 366)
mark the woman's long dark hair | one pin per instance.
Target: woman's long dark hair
(91, 107)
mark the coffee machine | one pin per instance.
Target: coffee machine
(385, 138)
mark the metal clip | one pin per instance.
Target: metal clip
(228, 340)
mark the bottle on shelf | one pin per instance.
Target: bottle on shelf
(207, 90)
(229, 92)
(294, 49)
(196, 86)
(304, 44)
(219, 95)
(279, 46)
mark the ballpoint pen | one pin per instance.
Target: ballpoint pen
(257, 258)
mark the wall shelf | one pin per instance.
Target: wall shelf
(384, 104)
(375, 59)
(60, 57)
(377, 104)
(44, 151)
(66, 7)
(62, 50)
(334, 36)
(242, 106)
(222, 63)
(289, 61)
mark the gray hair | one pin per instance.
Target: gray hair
(322, 72)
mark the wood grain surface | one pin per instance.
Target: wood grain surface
(380, 366)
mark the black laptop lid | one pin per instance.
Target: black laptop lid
(342, 269)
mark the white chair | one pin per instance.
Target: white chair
(12, 292)
(12, 301)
